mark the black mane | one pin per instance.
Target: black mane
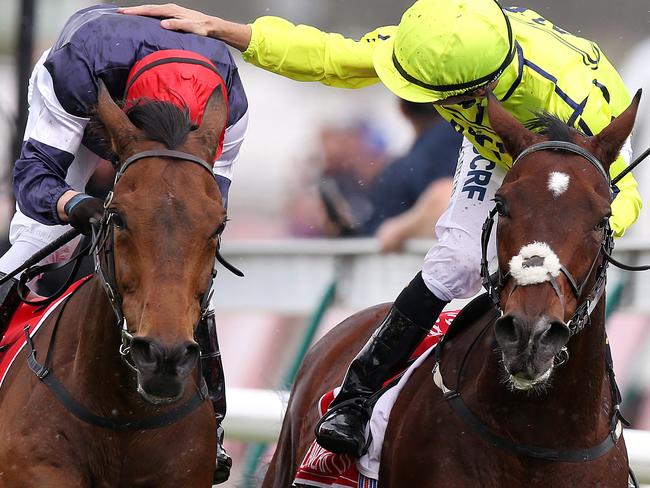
(549, 125)
(161, 121)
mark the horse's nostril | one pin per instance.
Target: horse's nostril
(152, 357)
(145, 353)
(186, 357)
(506, 331)
(192, 349)
(556, 336)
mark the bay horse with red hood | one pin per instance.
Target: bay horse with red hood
(520, 392)
(124, 406)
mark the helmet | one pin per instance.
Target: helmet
(445, 48)
(181, 77)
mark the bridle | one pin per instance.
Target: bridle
(102, 249)
(580, 319)
(494, 284)
(103, 245)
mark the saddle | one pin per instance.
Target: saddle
(321, 468)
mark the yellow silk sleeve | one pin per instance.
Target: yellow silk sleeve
(598, 113)
(304, 53)
(627, 204)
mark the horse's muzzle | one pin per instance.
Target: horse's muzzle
(163, 370)
(529, 346)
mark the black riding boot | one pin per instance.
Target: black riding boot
(9, 301)
(342, 428)
(212, 368)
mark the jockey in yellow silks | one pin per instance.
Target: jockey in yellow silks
(447, 52)
(548, 69)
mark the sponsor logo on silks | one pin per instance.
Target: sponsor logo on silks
(478, 177)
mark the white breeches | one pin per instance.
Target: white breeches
(451, 267)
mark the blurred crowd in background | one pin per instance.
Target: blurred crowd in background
(322, 162)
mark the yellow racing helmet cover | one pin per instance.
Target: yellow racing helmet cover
(445, 48)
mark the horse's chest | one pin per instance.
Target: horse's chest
(487, 468)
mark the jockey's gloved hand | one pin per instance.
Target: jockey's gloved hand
(81, 208)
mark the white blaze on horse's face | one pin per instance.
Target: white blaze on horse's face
(535, 263)
(558, 183)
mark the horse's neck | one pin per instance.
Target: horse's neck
(575, 406)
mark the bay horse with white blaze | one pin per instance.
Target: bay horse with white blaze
(124, 405)
(521, 398)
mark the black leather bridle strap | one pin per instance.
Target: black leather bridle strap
(492, 290)
(562, 455)
(565, 146)
(626, 267)
(162, 153)
(44, 373)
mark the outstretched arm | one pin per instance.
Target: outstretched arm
(299, 52)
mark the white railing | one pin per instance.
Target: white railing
(290, 275)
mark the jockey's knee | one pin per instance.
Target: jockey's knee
(452, 269)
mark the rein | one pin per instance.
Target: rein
(102, 244)
(579, 320)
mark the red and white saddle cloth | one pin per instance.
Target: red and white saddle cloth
(324, 469)
(13, 340)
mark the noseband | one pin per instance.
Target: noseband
(103, 244)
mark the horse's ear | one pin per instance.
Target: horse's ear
(607, 145)
(512, 132)
(214, 121)
(117, 123)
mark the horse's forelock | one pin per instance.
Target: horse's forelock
(552, 127)
(161, 121)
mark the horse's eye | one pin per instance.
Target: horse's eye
(117, 220)
(501, 207)
(220, 229)
(602, 224)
